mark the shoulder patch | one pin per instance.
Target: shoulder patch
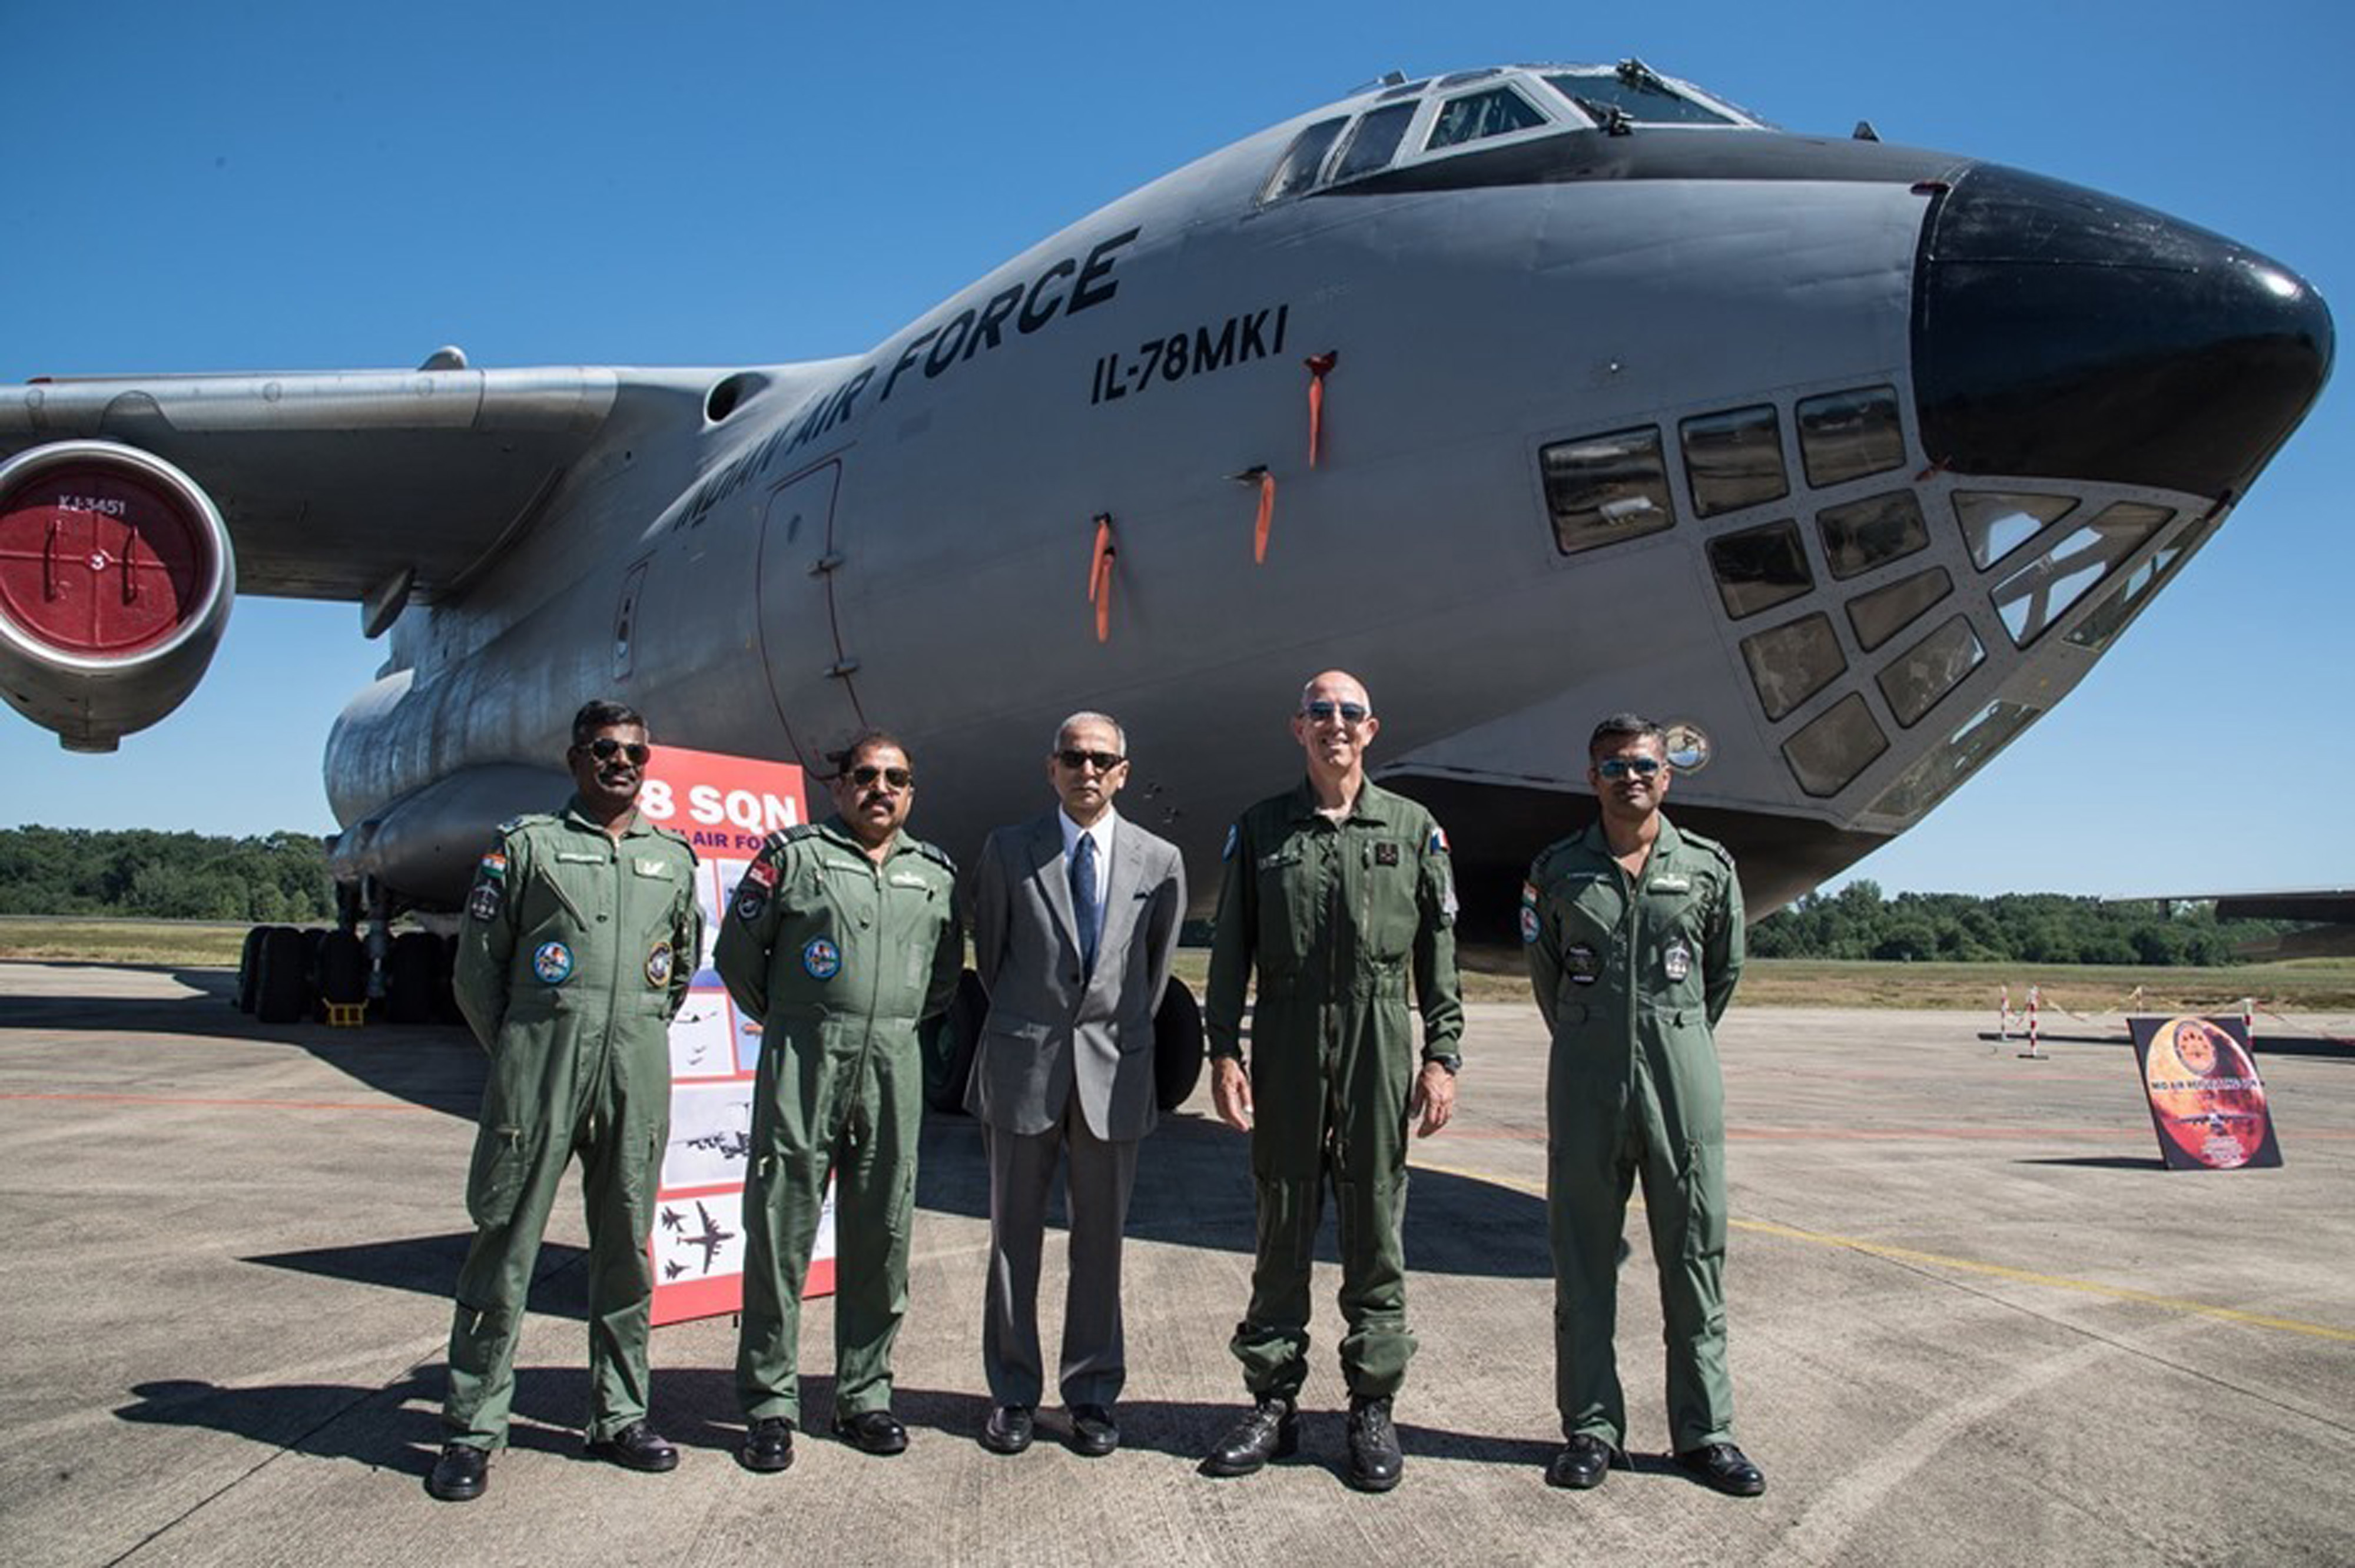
(1710, 845)
(1438, 843)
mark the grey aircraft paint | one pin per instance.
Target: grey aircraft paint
(1714, 336)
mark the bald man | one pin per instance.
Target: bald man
(1334, 891)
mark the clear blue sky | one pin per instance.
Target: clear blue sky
(279, 185)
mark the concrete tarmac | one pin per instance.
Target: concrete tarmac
(1972, 1320)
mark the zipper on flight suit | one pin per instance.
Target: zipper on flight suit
(613, 988)
(874, 993)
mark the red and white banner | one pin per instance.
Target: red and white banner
(725, 805)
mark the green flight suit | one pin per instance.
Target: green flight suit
(840, 959)
(574, 952)
(1632, 974)
(1334, 916)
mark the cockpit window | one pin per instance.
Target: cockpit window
(1644, 101)
(1475, 115)
(1606, 488)
(1374, 141)
(1297, 171)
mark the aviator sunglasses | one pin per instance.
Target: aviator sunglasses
(1348, 712)
(866, 773)
(1076, 759)
(1620, 767)
(605, 748)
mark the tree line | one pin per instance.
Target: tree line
(1859, 922)
(277, 877)
(282, 877)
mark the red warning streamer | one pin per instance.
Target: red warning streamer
(1100, 576)
(1266, 517)
(1320, 365)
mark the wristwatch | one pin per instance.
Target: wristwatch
(1450, 1061)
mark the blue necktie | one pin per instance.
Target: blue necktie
(1083, 899)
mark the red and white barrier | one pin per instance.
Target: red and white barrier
(2033, 1052)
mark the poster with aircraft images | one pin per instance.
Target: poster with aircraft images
(725, 805)
(2207, 1102)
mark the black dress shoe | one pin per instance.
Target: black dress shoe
(637, 1446)
(1722, 1465)
(1009, 1431)
(1094, 1432)
(460, 1474)
(1583, 1462)
(768, 1446)
(1269, 1432)
(872, 1432)
(1375, 1460)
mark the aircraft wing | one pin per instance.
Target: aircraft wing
(331, 482)
(2328, 905)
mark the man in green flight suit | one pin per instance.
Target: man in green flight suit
(1634, 935)
(1335, 891)
(841, 939)
(579, 940)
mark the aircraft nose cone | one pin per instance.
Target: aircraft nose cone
(2065, 334)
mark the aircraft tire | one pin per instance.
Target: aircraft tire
(282, 987)
(1177, 1046)
(343, 968)
(951, 1044)
(248, 968)
(408, 978)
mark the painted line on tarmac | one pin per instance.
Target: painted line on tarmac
(244, 1104)
(1964, 1265)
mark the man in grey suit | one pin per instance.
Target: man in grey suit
(1075, 922)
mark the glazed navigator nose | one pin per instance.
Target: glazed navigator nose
(2059, 333)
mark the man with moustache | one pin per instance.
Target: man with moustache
(579, 939)
(1075, 919)
(842, 939)
(1335, 891)
(1633, 934)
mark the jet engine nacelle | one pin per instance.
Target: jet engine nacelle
(116, 578)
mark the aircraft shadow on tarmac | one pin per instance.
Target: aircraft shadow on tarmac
(1194, 1188)
(397, 1427)
(439, 1068)
(428, 1265)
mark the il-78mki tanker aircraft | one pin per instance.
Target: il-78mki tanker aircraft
(1528, 393)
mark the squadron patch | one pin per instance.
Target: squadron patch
(1676, 960)
(658, 965)
(1529, 923)
(552, 962)
(482, 903)
(821, 959)
(1386, 854)
(753, 892)
(1580, 962)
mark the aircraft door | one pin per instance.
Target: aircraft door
(810, 673)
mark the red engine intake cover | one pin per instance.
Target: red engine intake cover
(98, 560)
